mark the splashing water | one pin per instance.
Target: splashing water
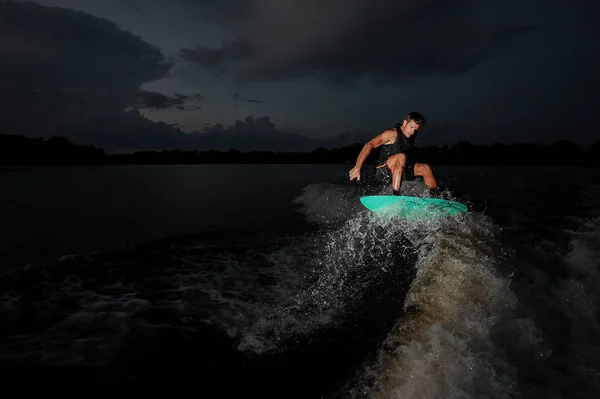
(445, 346)
(347, 264)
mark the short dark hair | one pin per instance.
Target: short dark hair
(416, 117)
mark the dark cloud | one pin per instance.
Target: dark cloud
(150, 99)
(346, 38)
(251, 134)
(259, 126)
(70, 74)
(65, 71)
(238, 96)
(216, 12)
(213, 58)
(154, 100)
(248, 135)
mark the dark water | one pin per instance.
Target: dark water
(273, 280)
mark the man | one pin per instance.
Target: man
(396, 155)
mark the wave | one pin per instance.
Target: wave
(445, 345)
(482, 321)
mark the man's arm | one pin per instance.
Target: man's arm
(386, 137)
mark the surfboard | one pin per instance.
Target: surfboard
(409, 207)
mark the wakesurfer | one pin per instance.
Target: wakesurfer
(397, 158)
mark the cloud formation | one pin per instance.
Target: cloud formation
(70, 74)
(154, 100)
(523, 65)
(238, 97)
(250, 134)
(62, 69)
(343, 39)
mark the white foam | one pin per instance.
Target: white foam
(444, 346)
(467, 335)
(342, 263)
(311, 302)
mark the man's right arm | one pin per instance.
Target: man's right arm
(384, 138)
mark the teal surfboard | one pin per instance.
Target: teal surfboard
(409, 207)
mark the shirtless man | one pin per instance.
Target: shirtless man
(396, 157)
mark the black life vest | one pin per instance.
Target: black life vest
(402, 144)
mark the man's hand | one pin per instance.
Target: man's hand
(355, 173)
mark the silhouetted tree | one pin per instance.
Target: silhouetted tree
(18, 150)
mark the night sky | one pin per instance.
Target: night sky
(107, 72)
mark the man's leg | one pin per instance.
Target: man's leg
(423, 169)
(396, 164)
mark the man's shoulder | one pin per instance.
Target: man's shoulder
(391, 135)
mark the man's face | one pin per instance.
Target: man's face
(410, 128)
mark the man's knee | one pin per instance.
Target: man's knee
(397, 161)
(423, 169)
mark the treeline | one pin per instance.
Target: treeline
(18, 150)
(561, 153)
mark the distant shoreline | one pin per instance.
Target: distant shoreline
(18, 150)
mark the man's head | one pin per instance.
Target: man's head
(412, 122)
